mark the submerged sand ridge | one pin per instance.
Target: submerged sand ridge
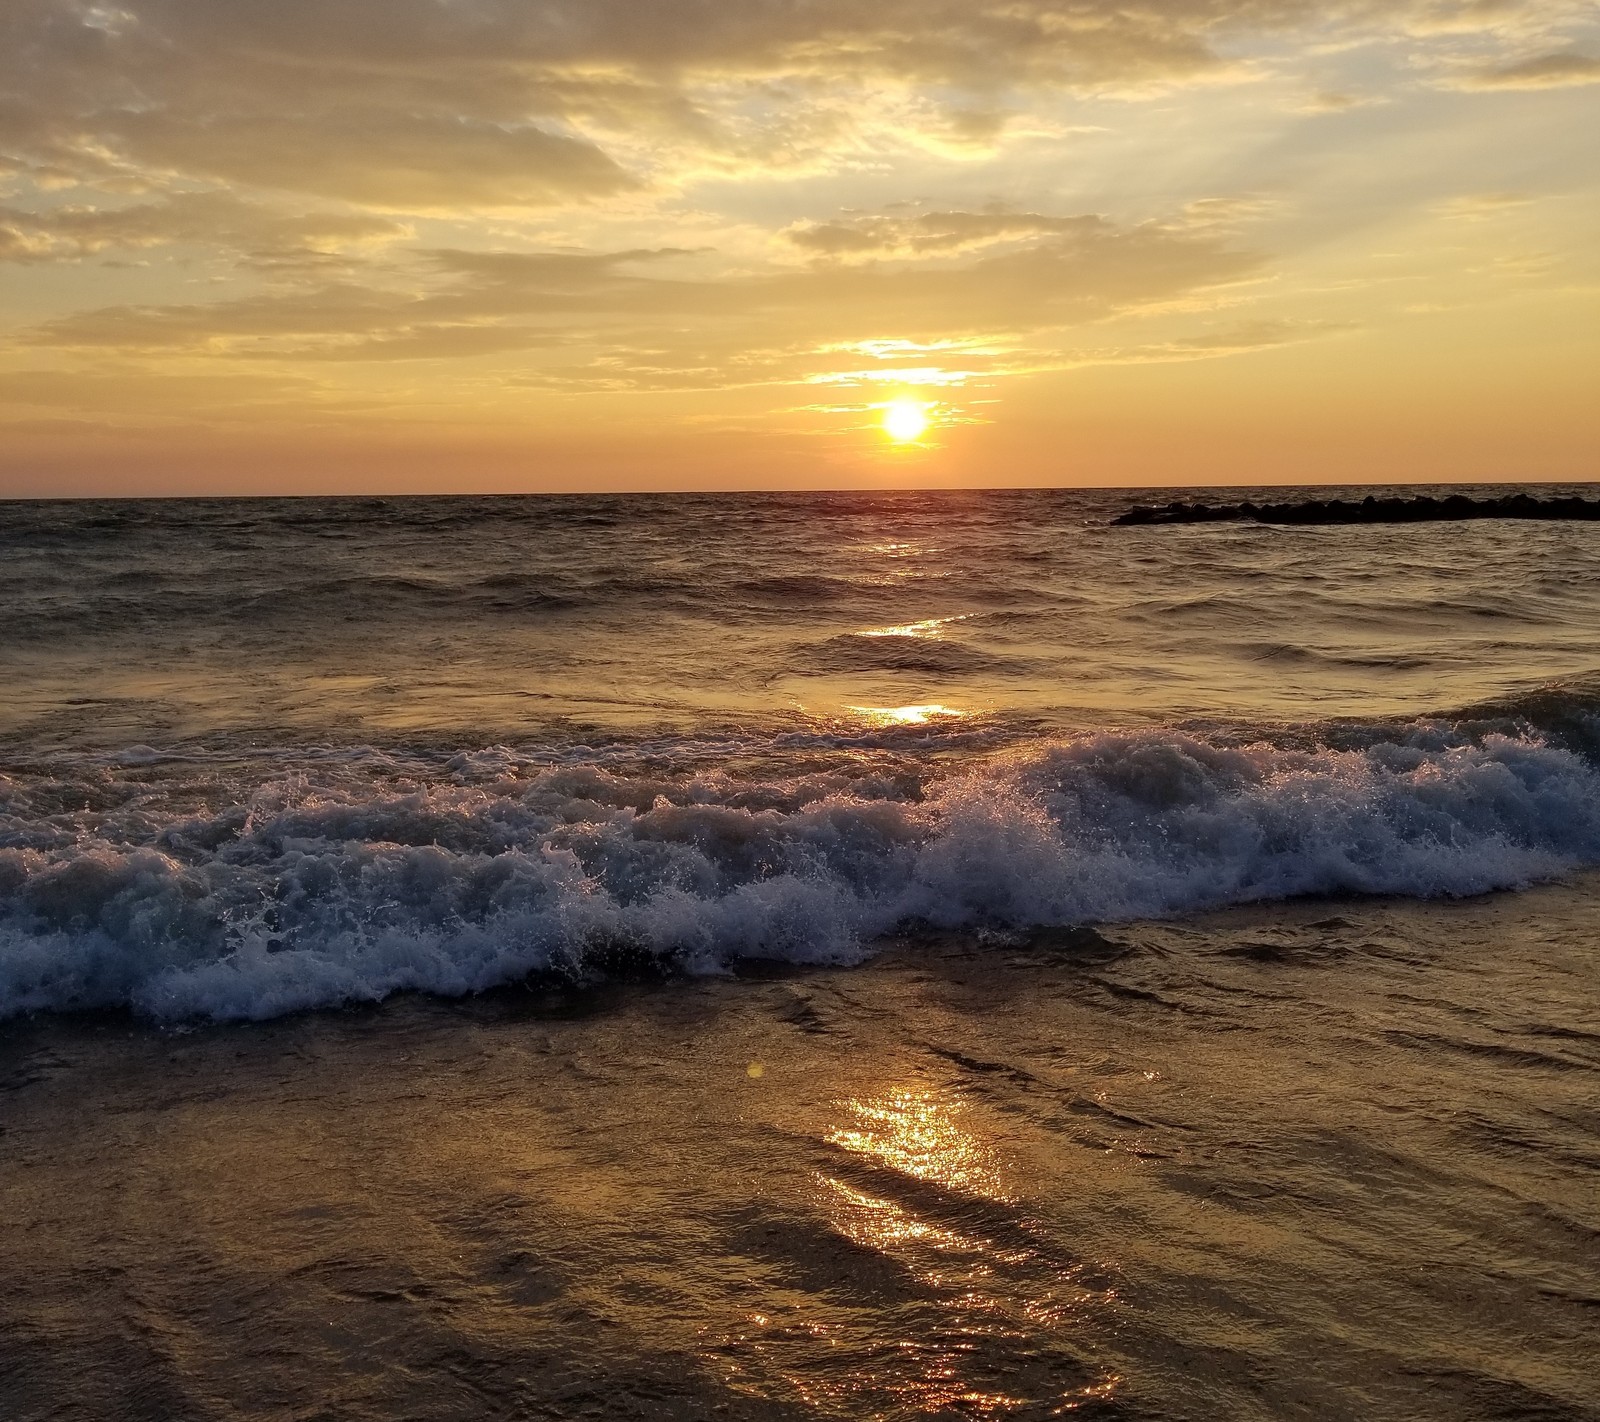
(1333, 1160)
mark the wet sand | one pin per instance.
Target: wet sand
(1323, 1160)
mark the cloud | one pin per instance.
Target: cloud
(932, 232)
(1512, 18)
(433, 104)
(1254, 336)
(217, 220)
(240, 326)
(422, 105)
(1243, 339)
(1075, 269)
(131, 392)
(645, 314)
(1330, 101)
(1545, 71)
(1476, 207)
(396, 160)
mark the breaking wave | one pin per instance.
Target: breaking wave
(214, 893)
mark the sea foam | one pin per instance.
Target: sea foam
(318, 888)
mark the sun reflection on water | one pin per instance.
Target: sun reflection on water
(943, 1295)
(883, 1225)
(921, 1134)
(918, 715)
(928, 627)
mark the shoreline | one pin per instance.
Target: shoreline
(1251, 1163)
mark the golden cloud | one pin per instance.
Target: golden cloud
(1545, 71)
(414, 105)
(646, 320)
(211, 219)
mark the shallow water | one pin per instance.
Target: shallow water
(1332, 1161)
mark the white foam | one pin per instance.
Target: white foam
(304, 894)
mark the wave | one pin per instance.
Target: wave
(795, 589)
(349, 880)
(899, 652)
(1569, 710)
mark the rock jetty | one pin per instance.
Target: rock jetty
(1370, 510)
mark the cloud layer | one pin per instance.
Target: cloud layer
(417, 104)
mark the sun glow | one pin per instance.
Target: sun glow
(905, 420)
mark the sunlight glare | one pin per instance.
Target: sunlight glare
(907, 715)
(905, 420)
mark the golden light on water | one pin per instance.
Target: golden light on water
(923, 1134)
(905, 420)
(918, 715)
(922, 1189)
(928, 627)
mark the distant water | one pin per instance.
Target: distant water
(258, 756)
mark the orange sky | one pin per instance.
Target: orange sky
(370, 245)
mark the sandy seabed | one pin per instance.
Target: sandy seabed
(1323, 1160)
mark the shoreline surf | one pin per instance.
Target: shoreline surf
(1234, 1165)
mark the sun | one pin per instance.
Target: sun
(905, 420)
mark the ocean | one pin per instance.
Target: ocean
(854, 955)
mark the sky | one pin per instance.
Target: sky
(325, 246)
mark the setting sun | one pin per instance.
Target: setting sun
(905, 420)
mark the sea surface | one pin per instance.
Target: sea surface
(869, 955)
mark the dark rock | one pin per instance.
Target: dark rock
(1421, 509)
